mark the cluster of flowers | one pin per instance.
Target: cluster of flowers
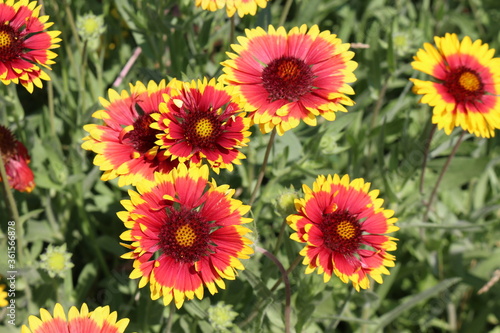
(184, 231)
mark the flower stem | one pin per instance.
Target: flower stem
(426, 154)
(257, 306)
(440, 178)
(170, 321)
(285, 11)
(13, 208)
(262, 168)
(336, 322)
(288, 291)
(280, 236)
(8, 193)
(232, 30)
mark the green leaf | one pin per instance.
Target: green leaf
(389, 317)
(85, 281)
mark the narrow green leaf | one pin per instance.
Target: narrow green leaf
(389, 317)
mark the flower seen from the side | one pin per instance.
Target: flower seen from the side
(101, 320)
(242, 7)
(466, 89)
(24, 44)
(200, 121)
(125, 143)
(56, 261)
(343, 225)
(15, 158)
(283, 78)
(185, 233)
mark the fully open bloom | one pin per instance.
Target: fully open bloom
(15, 158)
(98, 321)
(287, 77)
(243, 7)
(185, 232)
(24, 45)
(466, 92)
(125, 143)
(342, 224)
(198, 121)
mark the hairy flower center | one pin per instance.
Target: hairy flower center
(341, 232)
(346, 230)
(142, 138)
(11, 45)
(469, 81)
(202, 129)
(185, 235)
(5, 39)
(464, 85)
(287, 78)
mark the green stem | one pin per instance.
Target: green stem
(336, 322)
(255, 311)
(232, 30)
(426, 154)
(440, 178)
(8, 193)
(11, 203)
(170, 321)
(71, 20)
(280, 236)
(285, 11)
(284, 275)
(50, 94)
(263, 168)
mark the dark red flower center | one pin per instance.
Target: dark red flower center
(184, 235)
(8, 143)
(287, 78)
(341, 232)
(202, 129)
(142, 138)
(464, 84)
(11, 46)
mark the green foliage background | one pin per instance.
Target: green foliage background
(441, 262)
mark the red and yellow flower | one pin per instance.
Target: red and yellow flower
(283, 78)
(125, 143)
(343, 226)
(185, 233)
(98, 321)
(16, 159)
(466, 91)
(24, 45)
(243, 7)
(201, 121)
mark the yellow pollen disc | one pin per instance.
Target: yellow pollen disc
(346, 230)
(204, 128)
(5, 39)
(287, 69)
(185, 235)
(469, 81)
